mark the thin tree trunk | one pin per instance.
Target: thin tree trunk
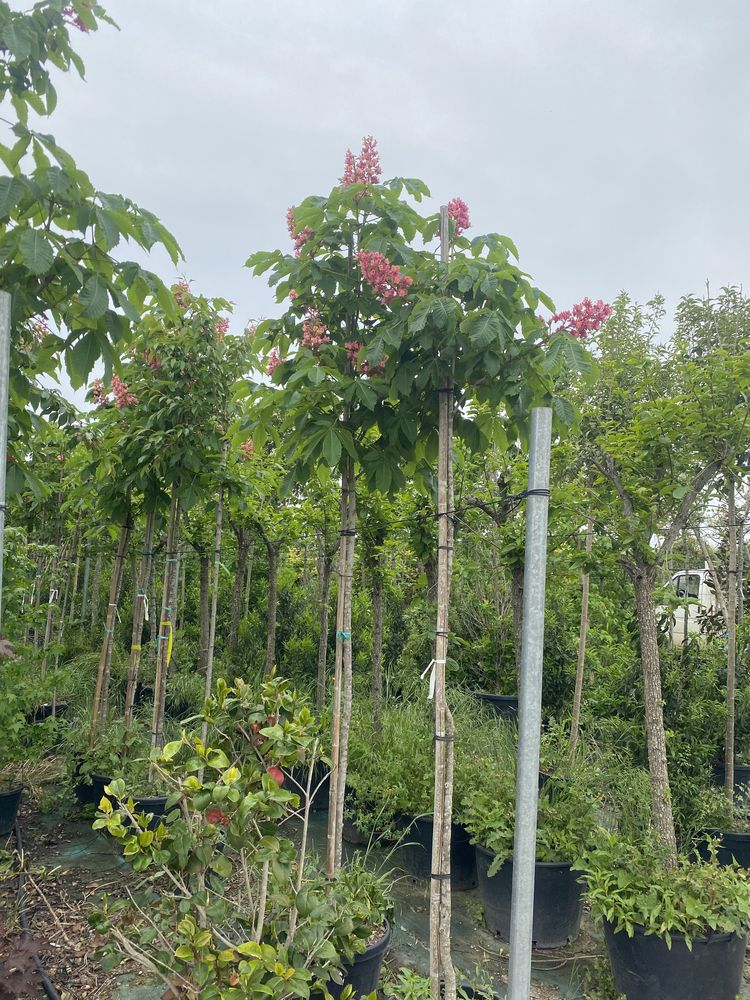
(101, 692)
(343, 655)
(582, 637)
(326, 572)
(85, 591)
(51, 604)
(273, 548)
(661, 800)
(166, 620)
(248, 577)
(205, 610)
(441, 965)
(731, 638)
(95, 587)
(214, 602)
(139, 614)
(153, 646)
(516, 600)
(377, 636)
(76, 575)
(243, 546)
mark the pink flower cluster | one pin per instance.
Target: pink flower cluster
(181, 292)
(458, 210)
(123, 396)
(293, 294)
(222, 325)
(582, 319)
(247, 450)
(151, 360)
(385, 278)
(365, 168)
(298, 236)
(98, 393)
(274, 360)
(353, 347)
(374, 371)
(314, 331)
(72, 17)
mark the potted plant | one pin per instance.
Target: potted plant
(244, 915)
(390, 782)
(566, 820)
(725, 822)
(672, 933)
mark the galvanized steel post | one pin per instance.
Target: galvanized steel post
(530, 706)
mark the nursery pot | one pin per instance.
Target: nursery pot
(504, 705)
(644, 968)
(155, 804)
(741, 776)
(733, 847)
(558, 900)
(9, 803)
(415, 854)
(90, 795)
(363, 974)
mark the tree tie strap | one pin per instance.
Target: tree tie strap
(430, 668)
(135, 648)
(348, 533)
(345, 635)
(441, 877)
(443, 738)
(169, 638)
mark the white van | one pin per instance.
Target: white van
(701, 597)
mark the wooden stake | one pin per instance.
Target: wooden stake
(166, 620)
(139, 612)
(582, 637)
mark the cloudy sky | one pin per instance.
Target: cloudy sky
(609, 138)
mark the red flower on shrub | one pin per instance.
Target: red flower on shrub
(218, 817)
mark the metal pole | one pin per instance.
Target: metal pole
(4, 392)
(530, 707)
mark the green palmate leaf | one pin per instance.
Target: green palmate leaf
(94, 297)
(331, 448)
(36, 251)
(82, 357)
(483, 329)
(17, 37)
(11, 192)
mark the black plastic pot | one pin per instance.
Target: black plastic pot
(363, 975)
(504, 705)
(91, 794)
(415, 854)
(644, 968)
(42, 712)
(9, 803)
(733, 847)
(558, 900)
(156, 804)
(741, 777)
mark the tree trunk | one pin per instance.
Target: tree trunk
(166, 620)
(342, 676)
(441, 964)
(214, 601)
(51, 605)
(273, 548)
(95, 587)
(644, 578)
(582, 637)
(76, 575)
(516, 600)
(139, 614)
(326, 571)
(101, 692)
(377, 634)
(205, 610)
(731, 638)
(248, 577)
(243, 547)
(85, 591)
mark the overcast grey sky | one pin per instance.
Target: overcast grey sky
(609, 138)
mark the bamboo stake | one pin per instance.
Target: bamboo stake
(582, 637)
(731, 639)
(139, 614)
(166, 621)
(101, 691)
(441, 964)
(214, 602)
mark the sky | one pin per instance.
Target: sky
(608, 138)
